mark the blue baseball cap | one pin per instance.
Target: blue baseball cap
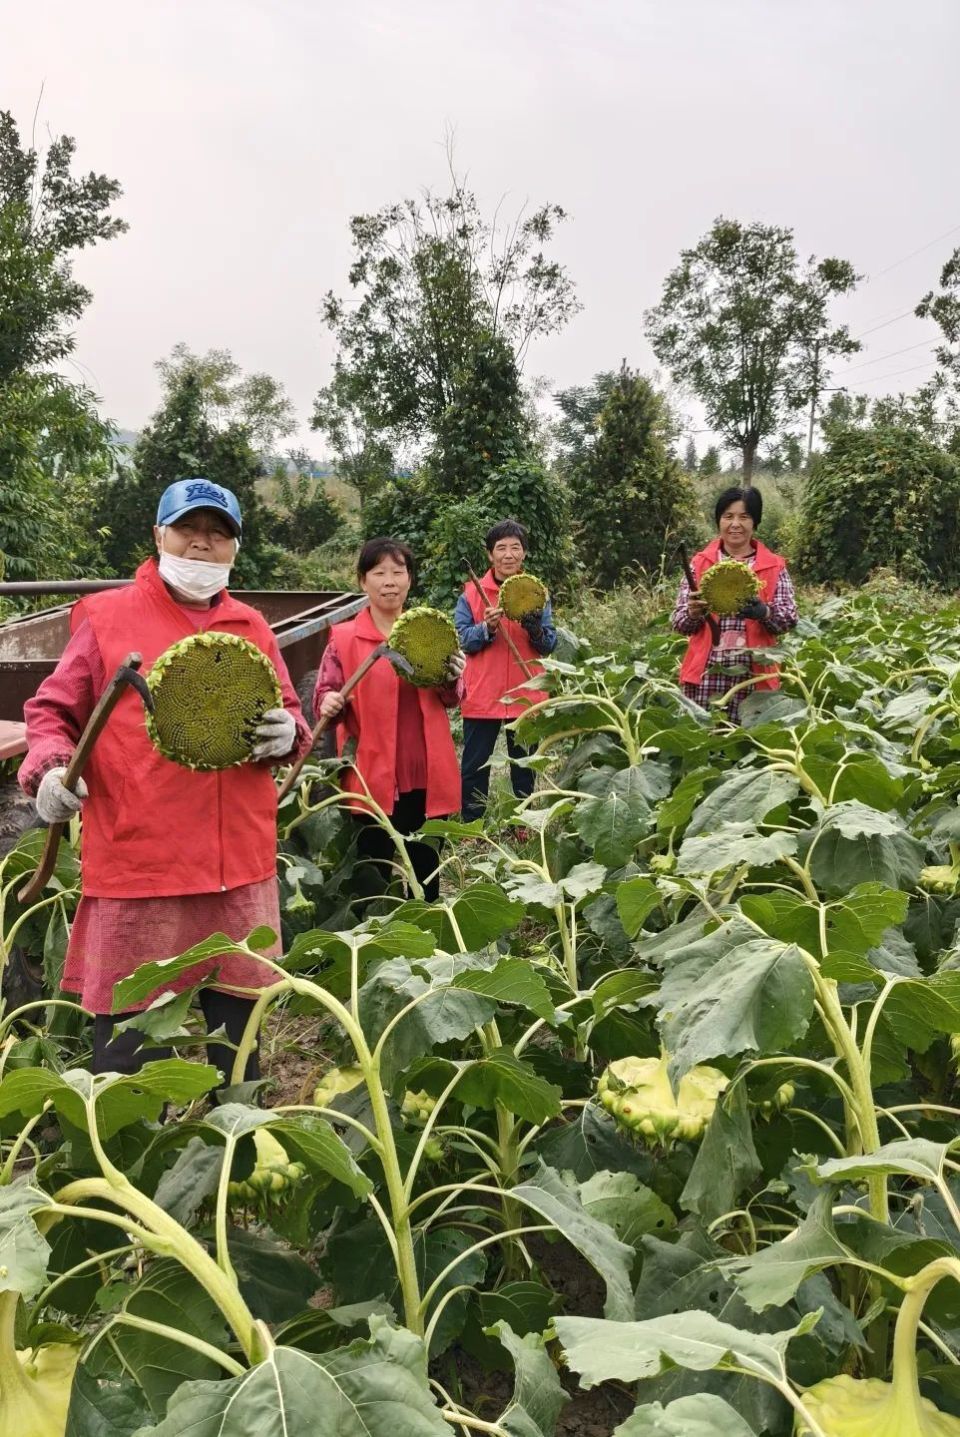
(186, 494)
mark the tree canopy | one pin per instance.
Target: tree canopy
(746, 328)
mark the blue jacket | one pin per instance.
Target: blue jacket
(474, 637)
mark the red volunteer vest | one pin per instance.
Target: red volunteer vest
(494, 671)
(768, 567)
(152, 829)
(370, 718)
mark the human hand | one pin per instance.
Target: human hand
(455, 666)
(332, 704)
(56, 804)
(276, 734)
(696, 608)
(533, 621)
(492, 616)
(754, 609)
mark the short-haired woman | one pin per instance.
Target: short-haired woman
(405, 753)
(712, 668)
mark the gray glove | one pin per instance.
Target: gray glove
(754, 609)
(276, 734)
(55, 804)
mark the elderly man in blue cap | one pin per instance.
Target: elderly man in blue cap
(169, 855)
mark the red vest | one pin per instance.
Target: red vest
(152, 829)
(370, 718)
(768, 567)
(494, 671)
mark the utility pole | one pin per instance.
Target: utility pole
(814, 396)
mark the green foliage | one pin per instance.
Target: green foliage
(633, 499)
(301, 516)
(442, 533)
(46, 215)
(181, 441)
(738, 304)
(881, 497)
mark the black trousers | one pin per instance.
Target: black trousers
(479, 741)
(124, 1053)
(373, 843)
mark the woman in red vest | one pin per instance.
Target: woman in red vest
(169, 855)
(710, 669)
(405, 754)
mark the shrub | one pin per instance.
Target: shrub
(881, 497)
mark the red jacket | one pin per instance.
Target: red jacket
(493, 672)
(152, 829)
(370, 718)
(768, 567)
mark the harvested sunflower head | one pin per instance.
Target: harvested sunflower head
(522, 595)
(427, 639)
(727, 586)
(209, 693)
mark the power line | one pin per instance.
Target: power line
(922, 250)
(864, 332)
(890, 355)
(879, 378)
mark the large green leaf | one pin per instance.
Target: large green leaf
(442, 1016)
(626, 1205)
(24, 1252)
(275, 1281)
(121, 1099)
(771, 1277)
(636, 900)
(700, 1415)
(613, 822)
(745, 797)
(855, 844)
(602, 1351)
(733, 992)
(538, 1398)
(478, 915)
(159, 972)
(731, 845)
(910, 1157)
(547, 1194)
(374, 1388)
(109, 1406)
(511, 980)
(499, 1077)
(726, 1161)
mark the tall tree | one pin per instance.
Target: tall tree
(257, 402)
(745, 327)
(53, 445)
(940, 399)
(430, 351)
(690, 456)
(711, 462)
(632, 500)
(46, 216)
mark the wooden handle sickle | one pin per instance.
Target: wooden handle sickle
(510, 644)
(126, 676)
(712, 624)
(322, 724)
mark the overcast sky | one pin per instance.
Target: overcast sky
(245, 134)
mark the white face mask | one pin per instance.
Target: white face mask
(197, 578)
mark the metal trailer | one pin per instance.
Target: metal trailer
(31, 645)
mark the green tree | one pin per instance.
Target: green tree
(46, 216)
(939, 401)
(302, 515)
(633, 500)
(53, 445)
(690, 457)
(711, 462)
(256, 402)
(429, 353)
(743, 326)
(880, 496)
(181, 441)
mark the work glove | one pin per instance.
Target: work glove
(276, 733)
(533, 622)
(56, 804)
(455, 667)
(755, 609)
